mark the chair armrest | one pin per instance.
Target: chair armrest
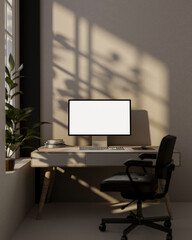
(138, 163)
(148, 156)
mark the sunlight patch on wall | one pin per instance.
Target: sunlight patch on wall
(113, 64)
(126, 72)
(91, 62)
(154, 95)
(63, 65)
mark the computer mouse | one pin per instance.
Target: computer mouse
(144, 147)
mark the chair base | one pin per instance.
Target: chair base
(137, 219)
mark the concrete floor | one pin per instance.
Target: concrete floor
(73, 221)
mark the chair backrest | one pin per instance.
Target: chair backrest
(164, 157)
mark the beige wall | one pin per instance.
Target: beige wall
(17, 189)
(127, 49)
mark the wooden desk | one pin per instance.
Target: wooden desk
(73, 157)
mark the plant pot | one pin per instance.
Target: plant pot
(10, 163)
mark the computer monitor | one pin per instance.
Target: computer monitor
(99, 117)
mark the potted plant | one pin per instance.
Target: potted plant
(16, 136)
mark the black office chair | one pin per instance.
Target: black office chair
(141, 186)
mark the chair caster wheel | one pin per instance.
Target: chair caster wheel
(167, 223)
(102, 227)
(169, 236)
(124, 237)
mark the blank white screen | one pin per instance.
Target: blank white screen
(99, 117)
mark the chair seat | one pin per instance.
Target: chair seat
(146, 184)
(140, 186)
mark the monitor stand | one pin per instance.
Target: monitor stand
(99, 141)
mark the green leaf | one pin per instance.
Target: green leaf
(7, 72)
(14, 85)
(9, 106)
(17, 77)
(9, 123)
(6, 94)
(8, 134)
(14, 147)
(39, 124)
(8, 81)
(20, 116)
(17, 115)
(21, 128)
(18, 70)
(32, 132)
(11, 62)
(17, 93)
(27, 110)
(32, 137)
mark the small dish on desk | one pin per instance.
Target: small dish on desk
(55, 143)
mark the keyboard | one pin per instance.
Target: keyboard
(101, 148)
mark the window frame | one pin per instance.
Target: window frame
(7, 32)
(14, 36)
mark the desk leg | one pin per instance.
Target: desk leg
(167, 200)
(45, 187)
(52, 178)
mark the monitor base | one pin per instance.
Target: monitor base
(99, 141)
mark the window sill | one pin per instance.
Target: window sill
(20, 163)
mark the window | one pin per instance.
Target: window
(12, 33)
(11, 36)
(10, 24)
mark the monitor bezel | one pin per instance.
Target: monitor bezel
(97, 100)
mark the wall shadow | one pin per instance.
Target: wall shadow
(94, 53)
(86, 67)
